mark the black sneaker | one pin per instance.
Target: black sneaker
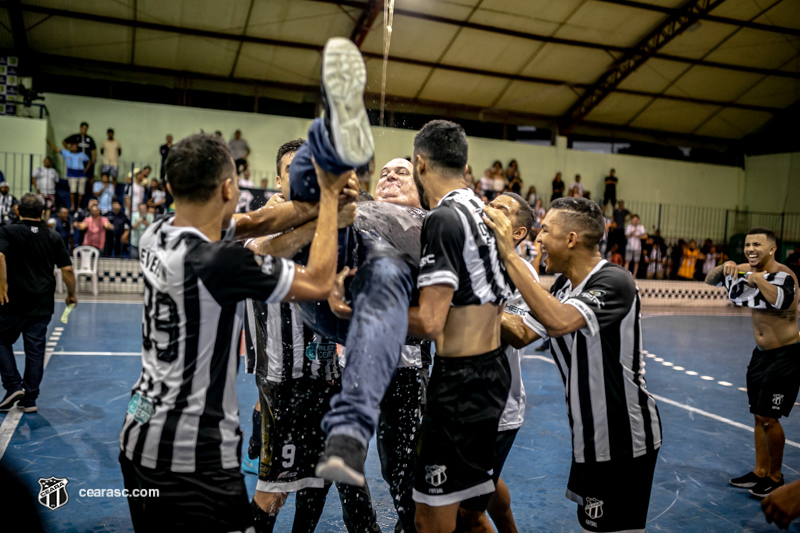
(10, 399)
(28, 406)
(343, 461)
(344, 77)
(763, 488)
(747, 481)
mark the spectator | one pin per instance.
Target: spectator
(104, 191)
(240, 150)
(608, 225)
(469, 177)
(95, 226)
(620, 217)
(80, 216)
(244, 179)
(515, 184)
(712, 258)
(164, 150)
(157, 197)
(135, 188)
(610, 193)
(675, 255)
(118, 233)
(86, 146)
(28, 254)
(576, 189)
(9, 206)
(44, 179)
(538, 213)
(616, 257)
(532, 196)
(634, 233)
(486, 183)
(139, 223)
(77, 166)
(512, 168)
(793, 261)
(499, 181)
(64, 228)
(558, 187)
(655, 259)
(264, 184)
(111, 150)
(688, 261)
(218, 134)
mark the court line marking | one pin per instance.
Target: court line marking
(684, 406)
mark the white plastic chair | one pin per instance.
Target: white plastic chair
(59, 280)
(85, 259)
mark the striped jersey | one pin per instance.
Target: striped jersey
(183, 414)
(611, 413)
(281, 347)
(459, 250)
(743, 295)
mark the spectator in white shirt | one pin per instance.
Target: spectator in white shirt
(577, 187)
(44, 181)
(240, 150)
(110, 150)
(634, 232)
(136, 188)
(245, 181)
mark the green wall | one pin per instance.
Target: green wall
(20, 137)
(773, 183)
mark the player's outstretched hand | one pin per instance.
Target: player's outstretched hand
(730, 268)
(336, 297)
(331, 182)
(782, 505)
(499, 223)
(350, 192)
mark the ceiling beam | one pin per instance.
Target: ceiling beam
(711, 18)
(305, 46)
(241, 43)
(133, 31)
(627, 64)
(365, 22)
(18, 31)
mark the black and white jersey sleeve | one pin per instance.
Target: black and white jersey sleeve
(232, 273)
(743, 295)
(442, 244)
(605, 299)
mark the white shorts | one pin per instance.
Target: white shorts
(77, 185)
(633, 255)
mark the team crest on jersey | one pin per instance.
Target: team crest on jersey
(267, 265)
(594, 297)
(53, 492)
(593, 508)
(777, 399)
(435, 475)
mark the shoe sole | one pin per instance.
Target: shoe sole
(742, 485)
(344, 77)
(335, 469)
(30, 409)
(762, 496)
(12, 401)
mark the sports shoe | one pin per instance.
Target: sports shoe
(250, 466)
(344, 77)
(10, 399)
(747, 481)
(763, 488)
(29, 406)
(343, 461)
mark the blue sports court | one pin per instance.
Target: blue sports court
(696, 368)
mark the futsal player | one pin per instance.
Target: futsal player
(516, 334)
(463, 287)
(773, 375)
(592, 314)
(181, 433)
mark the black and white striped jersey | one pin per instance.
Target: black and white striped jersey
(611, 413)
(459, 250)
(743, 295)
(281, 347)
(184, 414)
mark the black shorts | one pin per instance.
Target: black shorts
(505, 441)
(605, 502)
(209, 501)
(456, 447)
(291, 434)
(773, 379)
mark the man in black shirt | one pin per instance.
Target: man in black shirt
(618, 233)
(64, 227)
(117, 237)
(610, 193)
(592, 312)
(164, 151)
(28, 253)
(86, 145)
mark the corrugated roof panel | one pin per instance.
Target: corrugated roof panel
(413, 38)
(118, 9)
(546, 100)
(609, 24)
(483, 50)
(653, 76)
(783, 14)
(734, 123)
(714, 84)
(458, 88)
(664, 3)
(569, 63)
(738, 9)
(696, 41)
(455, 9)
(228, 16)
(773, 92)
(531, 16)
(299, 21)
(757, 48)
(80, 38)
(287, 65)
(668, 115)
(401, 79)
(617, 108)
(184, 52)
